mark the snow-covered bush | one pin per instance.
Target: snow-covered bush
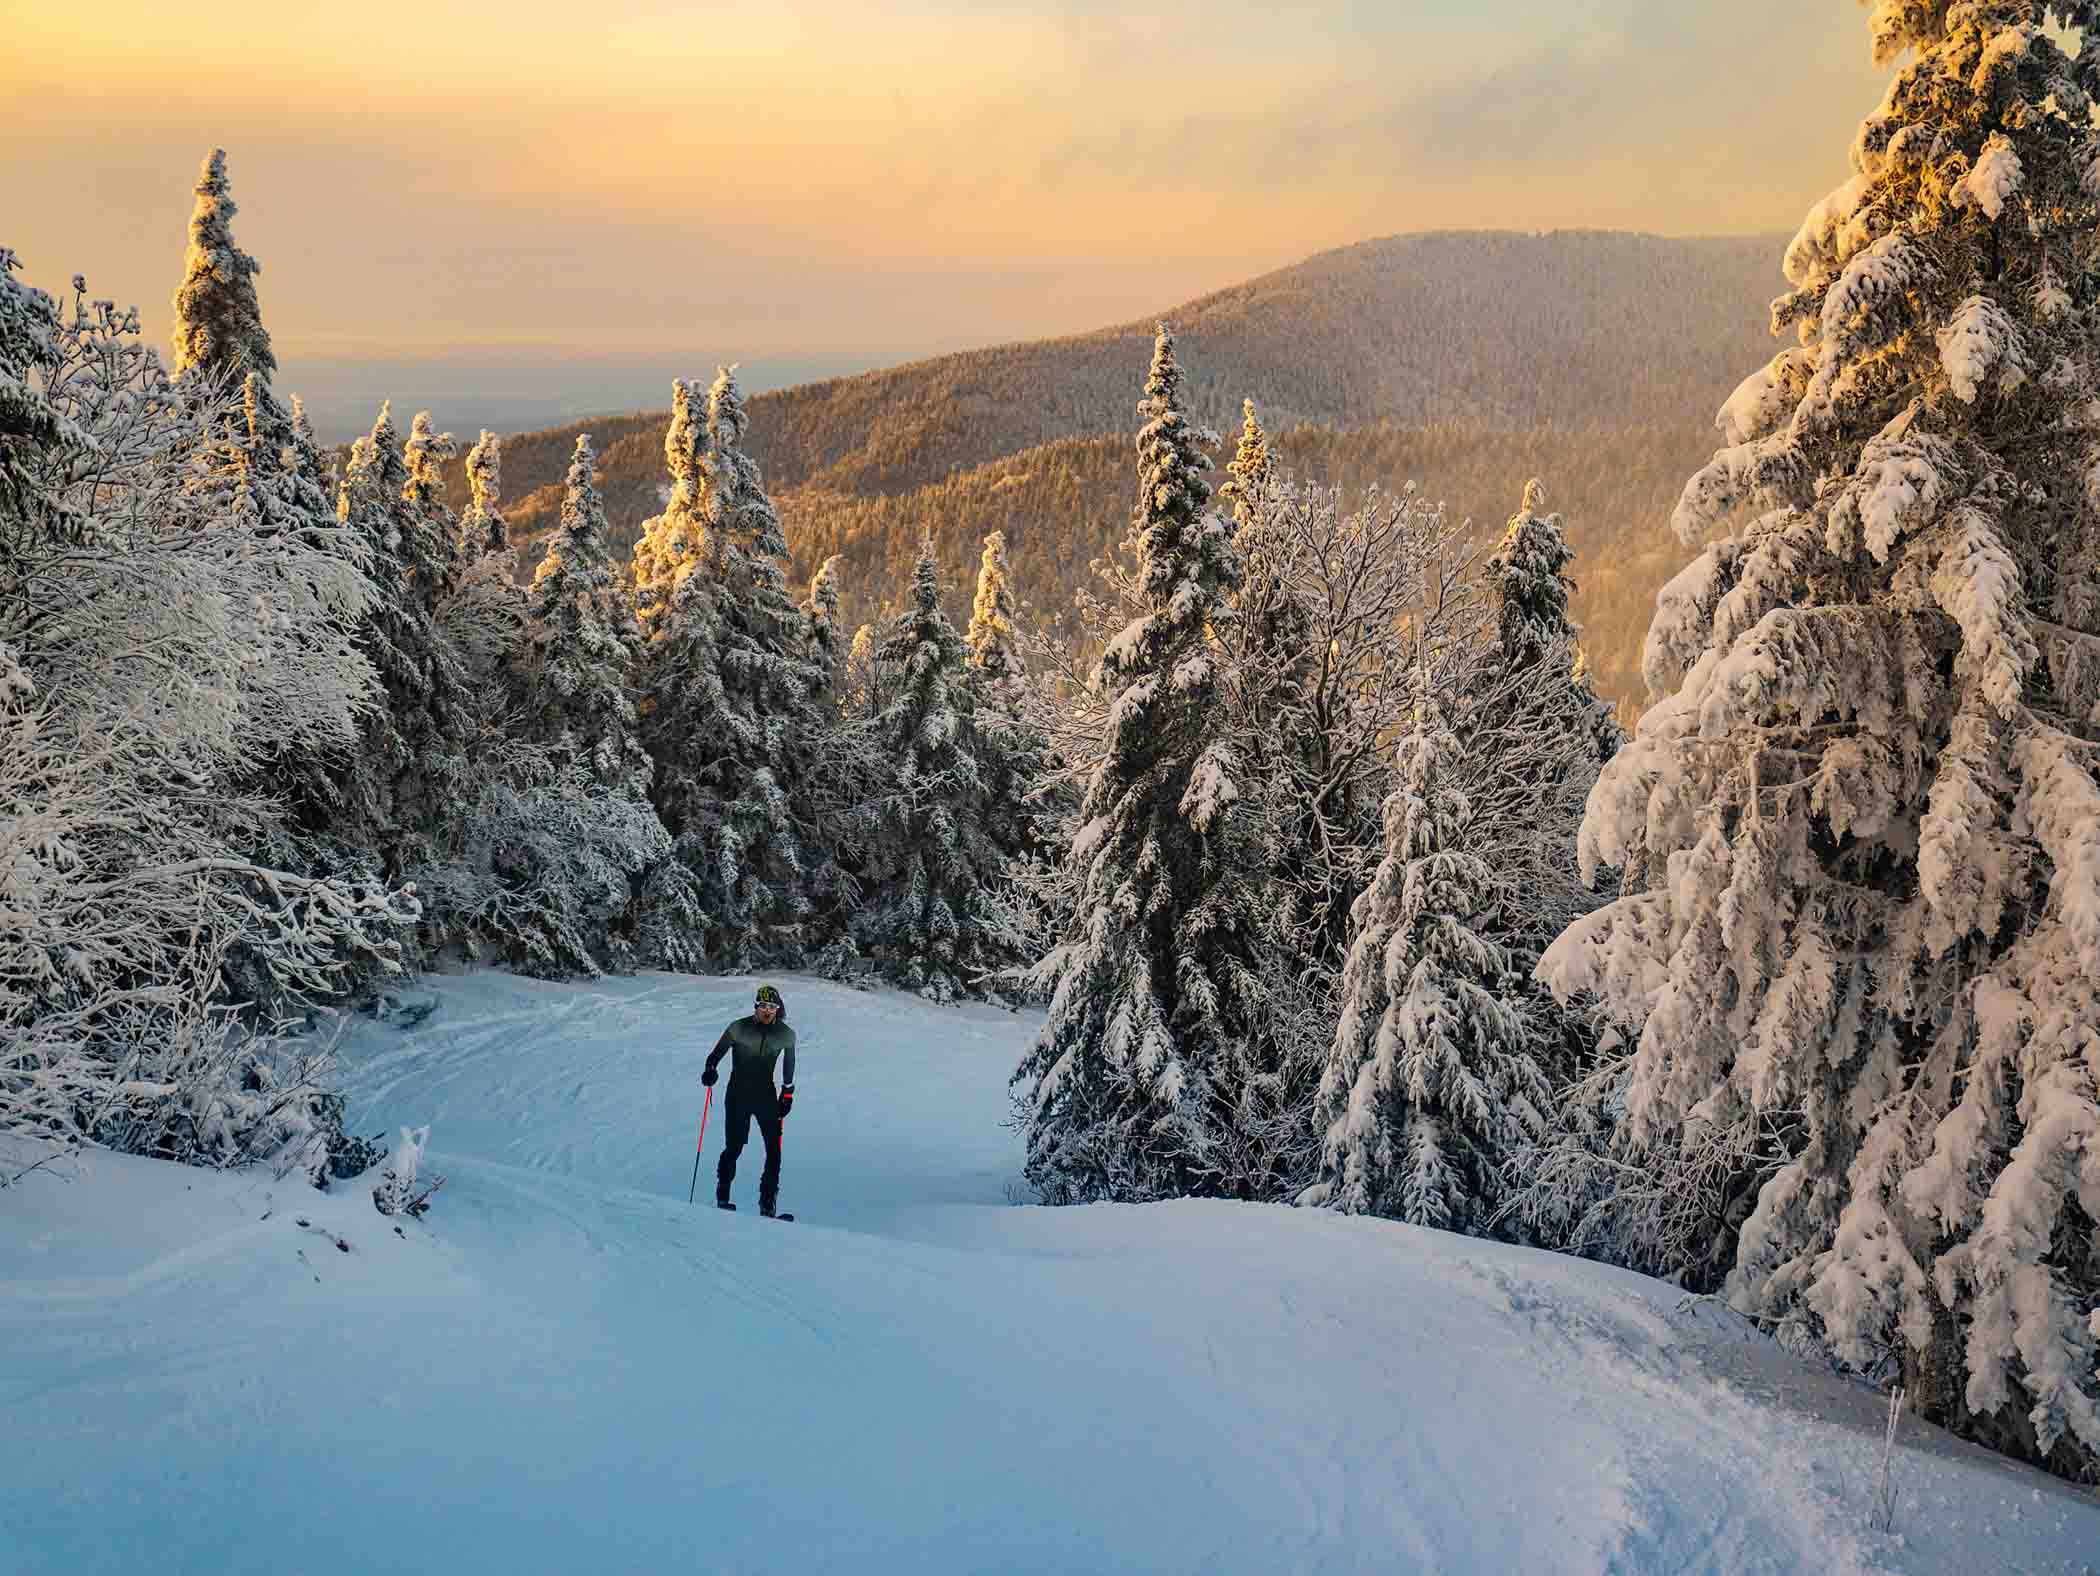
(206, 628)
(396, 1187)
(539, 867)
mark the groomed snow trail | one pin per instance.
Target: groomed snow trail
(567, 1368)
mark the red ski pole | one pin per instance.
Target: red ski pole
(700, 1144)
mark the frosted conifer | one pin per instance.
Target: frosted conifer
(1012, 747)
(430, 541)
(1433, 1079)
(675, 597)
(1531, 591)
(1531, 583)
(218, 322)
(584, 645)
(920, 919)
(1860, 826)
(732, 686)
(403, 781)
(1284, 690)
(992, 639)
(820, 622)
(1251, 469)
(306, 452)
(29, 425)
(276, 492)
(669, 546)
(863, 681)
(1124, 1093)
(482, 528)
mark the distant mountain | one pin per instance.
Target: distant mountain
(1486, 329)
(1501, 354)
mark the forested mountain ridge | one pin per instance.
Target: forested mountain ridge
(1066, 503)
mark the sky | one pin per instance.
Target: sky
(831, 176)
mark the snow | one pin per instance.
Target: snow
(1980, 341)
(1996, 178)
(1761, 402)
(1828, 235)
(565, 1367)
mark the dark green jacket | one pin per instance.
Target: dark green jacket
(757, 1046)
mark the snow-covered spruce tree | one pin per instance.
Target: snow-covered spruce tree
(732, 687)
(1531, 582)
(842, 759)
(1531, 611)
(1012, 748)
(363, 817)
(482, 529)
(1860, 829)
(1276, 657)
(1252, 469)
(583, 646)
(1125, 1094)
(306, 457)
(485, 613)
(931, 859)
(1433, 1080)
(671, 546)
(31, 428)
(1314, 836)
(820, 628)
(536, 858)
(406, 776)
(681, 688)
(273, 491)
(993, 643)
(431, 550)
(1535, 728)
(863, 682)
(1028, 804)
(219, 332)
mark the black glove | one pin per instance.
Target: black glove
(707, 1076)
(787, 1098)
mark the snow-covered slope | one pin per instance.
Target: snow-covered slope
(565, 1367)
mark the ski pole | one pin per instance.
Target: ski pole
(700, 1144)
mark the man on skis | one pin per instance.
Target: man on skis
(754, 1044)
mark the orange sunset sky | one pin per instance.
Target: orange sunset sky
(819, 175)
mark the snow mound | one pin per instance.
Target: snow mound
(566, 1367)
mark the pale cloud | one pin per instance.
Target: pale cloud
(827, 176)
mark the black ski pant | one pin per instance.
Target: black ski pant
(745, 1106)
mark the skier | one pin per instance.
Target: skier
(756, 1043)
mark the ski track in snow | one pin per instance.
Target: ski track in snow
(567, 1367)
